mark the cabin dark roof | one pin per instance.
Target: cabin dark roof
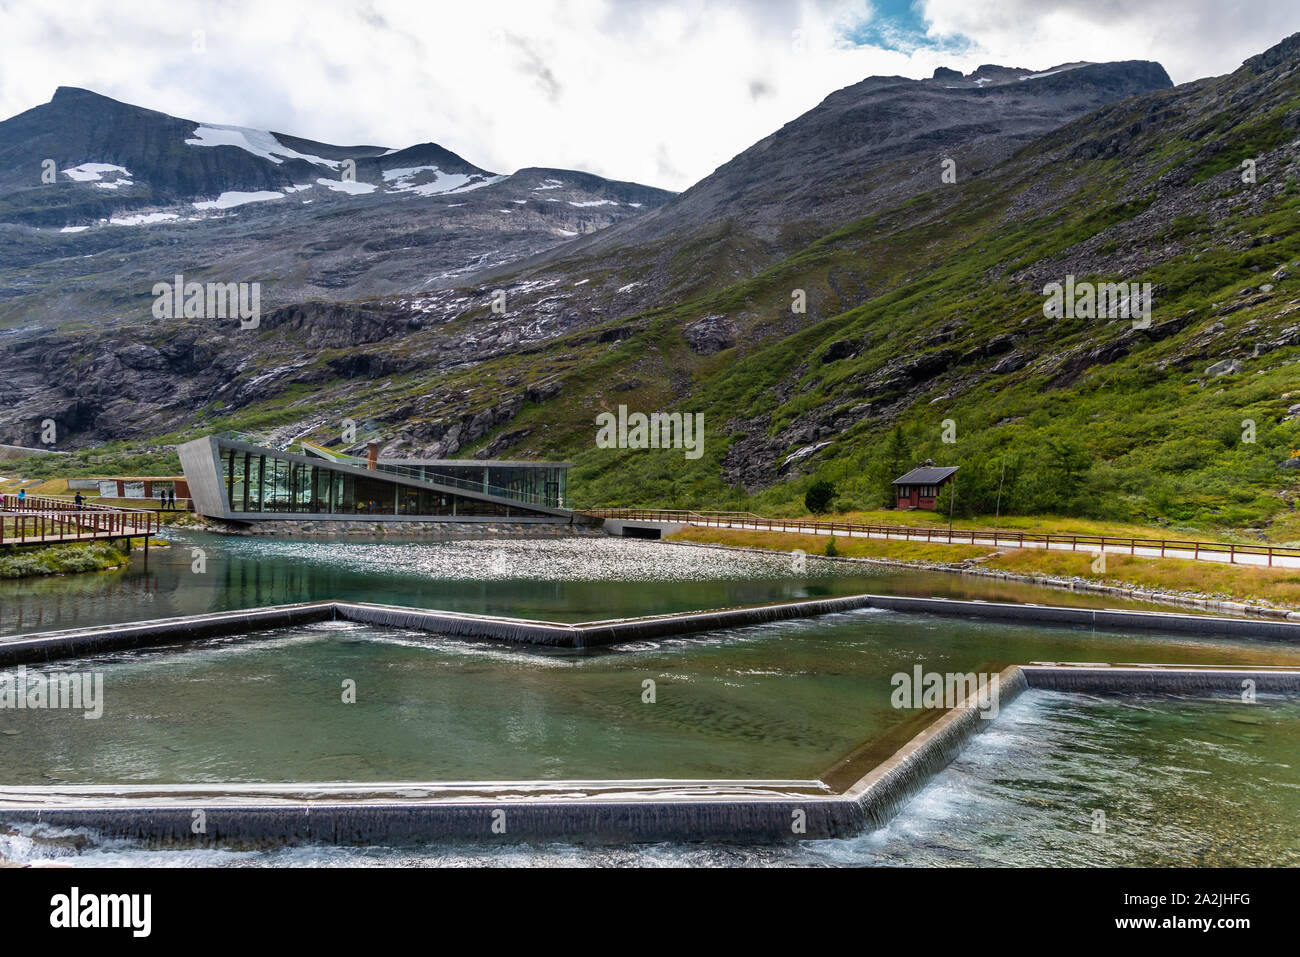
(925, 476)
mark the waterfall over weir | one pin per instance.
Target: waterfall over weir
(885, 789)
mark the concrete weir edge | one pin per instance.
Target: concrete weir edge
(54, 645)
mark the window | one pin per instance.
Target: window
(266, 482)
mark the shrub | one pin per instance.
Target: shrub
(59, 560)
(818, 498)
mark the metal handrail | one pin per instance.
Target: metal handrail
(421, 474)
(994, 537)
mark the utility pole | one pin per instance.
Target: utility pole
(952, 501)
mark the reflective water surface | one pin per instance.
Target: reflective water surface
(567, 579)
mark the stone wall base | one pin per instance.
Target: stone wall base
(430, 530)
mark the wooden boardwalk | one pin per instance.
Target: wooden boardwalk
(39, 520)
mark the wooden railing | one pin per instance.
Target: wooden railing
(951, 536)
(39, 519)
(55, 503)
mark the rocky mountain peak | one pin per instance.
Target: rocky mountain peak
(1285, 51)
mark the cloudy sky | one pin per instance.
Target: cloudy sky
(655, 92)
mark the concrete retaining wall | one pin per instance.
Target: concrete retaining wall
(77, 643)
(50, 646)
(1101, 619)
(1160, 680)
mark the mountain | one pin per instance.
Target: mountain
(924, 317)
(130, 379)
(138, 196)
(866, 147)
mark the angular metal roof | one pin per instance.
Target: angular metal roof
(931, 475)
(200, 461)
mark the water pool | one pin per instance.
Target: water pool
(778, 701)
(577, 579)
(1182, 782)
(782, 701)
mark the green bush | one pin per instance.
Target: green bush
(818, 498)
(59, 560)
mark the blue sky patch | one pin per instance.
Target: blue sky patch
(899, 25)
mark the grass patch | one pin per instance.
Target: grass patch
(816, 545)
(1243, 583)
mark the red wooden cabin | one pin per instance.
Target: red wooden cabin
(920, 487)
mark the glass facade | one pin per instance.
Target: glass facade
(260, 481)
(532, 484)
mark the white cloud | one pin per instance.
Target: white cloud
(655, 92)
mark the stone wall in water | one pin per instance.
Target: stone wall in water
(435, 530)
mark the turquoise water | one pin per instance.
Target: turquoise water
(1181, 782)
(554, 579)
(783, 700)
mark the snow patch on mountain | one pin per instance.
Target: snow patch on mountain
(143, 219)
(233, 198)
(94, 172)
(258, 142)
(432, 181)
(347, 186)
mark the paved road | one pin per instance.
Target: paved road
(939, 537)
